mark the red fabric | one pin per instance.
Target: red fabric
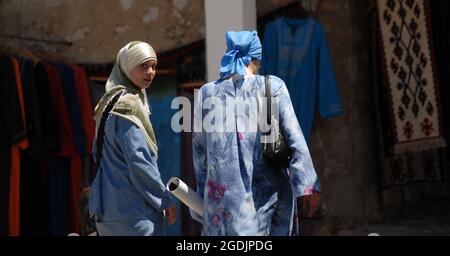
(88, 124)
(87, 110)
(65, 128)
(67, 149)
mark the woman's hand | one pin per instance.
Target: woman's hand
(171, 214)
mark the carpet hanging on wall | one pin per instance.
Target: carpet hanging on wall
(409, 73)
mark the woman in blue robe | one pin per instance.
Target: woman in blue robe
(242, 194)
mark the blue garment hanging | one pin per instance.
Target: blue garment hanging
(297, 51)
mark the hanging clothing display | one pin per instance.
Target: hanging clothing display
(296, 50)
(68, 83)
(42, 133)
(65, 132)
(49, 122)
(46, 133)
(86, 106)
(65, 164)
(410, 76)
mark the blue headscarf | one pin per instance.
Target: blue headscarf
(242, 48)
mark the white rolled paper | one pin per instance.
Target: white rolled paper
(185, 194)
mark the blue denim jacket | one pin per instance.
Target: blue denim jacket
(127, 195)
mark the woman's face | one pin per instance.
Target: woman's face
(143, 74)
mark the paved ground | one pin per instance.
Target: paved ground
(404, 228)
(427, 219)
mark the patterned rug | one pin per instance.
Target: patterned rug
(411, 168)
(409, 73)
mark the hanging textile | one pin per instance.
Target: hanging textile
(296, 50)
(409, 74)
(410, 168)
(46, 137)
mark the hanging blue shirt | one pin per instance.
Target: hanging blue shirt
(297, 52)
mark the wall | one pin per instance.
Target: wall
(240, 15)
(98, 29)
(345, 148)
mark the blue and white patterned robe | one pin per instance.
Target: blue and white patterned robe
(242, 194)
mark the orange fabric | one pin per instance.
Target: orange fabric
(14, 193)
(19, 88)
(14, 189)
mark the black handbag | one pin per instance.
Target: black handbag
(276, 151)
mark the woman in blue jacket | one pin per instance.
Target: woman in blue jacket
(128, 197)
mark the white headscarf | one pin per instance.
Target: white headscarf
(129, 57)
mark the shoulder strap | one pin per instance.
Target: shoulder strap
(101, 129)
(269, 99)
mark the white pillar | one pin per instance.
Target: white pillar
(222, 16)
